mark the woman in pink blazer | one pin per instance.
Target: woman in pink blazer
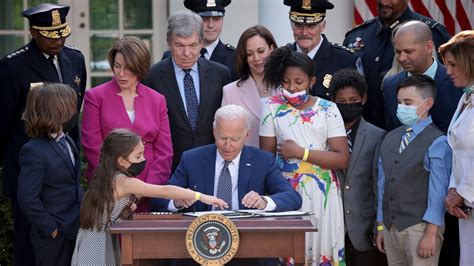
(255, 45)
(124, 102)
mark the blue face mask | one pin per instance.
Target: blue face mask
(407, 114)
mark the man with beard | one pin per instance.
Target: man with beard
(45, 58)
(308, 23)
(372, 43)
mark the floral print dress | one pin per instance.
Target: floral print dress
(319, 188)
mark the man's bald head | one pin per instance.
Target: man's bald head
(417, 29)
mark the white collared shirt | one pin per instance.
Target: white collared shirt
(210, 49)
(313, 52)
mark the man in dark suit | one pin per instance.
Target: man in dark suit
(359, 180)
(254, 179)
(44, 59)
(307, 23)
(191, 85)
(212, 14)
(372, 42)
(414, 48)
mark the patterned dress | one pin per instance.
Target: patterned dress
(94, 247)
(318, 187)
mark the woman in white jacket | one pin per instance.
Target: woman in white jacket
(458, 55)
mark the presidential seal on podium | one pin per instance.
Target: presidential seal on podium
(212, 239)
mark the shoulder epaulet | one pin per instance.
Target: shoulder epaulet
(363, 24)
(431, 23)
(342, 47)
(20, 51)
(72, 48)
(229, 46)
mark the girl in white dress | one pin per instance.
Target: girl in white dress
(308, 137)
(110, 194)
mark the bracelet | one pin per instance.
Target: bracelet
(379, 228)
(306, 154)
(197, 196)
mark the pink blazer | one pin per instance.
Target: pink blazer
(104, 111)
(246, 96)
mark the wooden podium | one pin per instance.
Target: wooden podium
(268, 237)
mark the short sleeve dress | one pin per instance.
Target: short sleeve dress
(319, 188)
(95, 247)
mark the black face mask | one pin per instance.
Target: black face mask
(69, 125)
(350, 111)
(135, 169)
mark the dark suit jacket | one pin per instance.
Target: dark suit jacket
(257, 171)
(359, 185)
(17, 71)
(49, 190)
(447, 98)
(213, 76)
(223, 54)
(330, 58)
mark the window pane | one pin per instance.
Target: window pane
(11, 18)
(9, 43)
(96, 81)
(103, 14)
(100, 45)
(32, 3)
(137, 14)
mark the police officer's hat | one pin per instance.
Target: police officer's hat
(49, 20)
(207, 8)
(308, 11)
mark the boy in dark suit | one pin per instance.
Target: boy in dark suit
(49, 191)
(359, 181)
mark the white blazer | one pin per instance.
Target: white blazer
(461, 140)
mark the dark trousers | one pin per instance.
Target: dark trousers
(355, 257)
(450, 250)
(52, 251)
(22, 250)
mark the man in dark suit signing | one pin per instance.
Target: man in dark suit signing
(243, 176)
(191, 85)
(45, 58)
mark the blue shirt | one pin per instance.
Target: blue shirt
(437, 161)
(179, 72)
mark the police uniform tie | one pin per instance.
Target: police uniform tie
(349, 139)
(203, 52)
(406, 138)
(224, 185)
(56, 70)
(192, 104)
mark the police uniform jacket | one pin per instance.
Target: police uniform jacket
(330, 58)
(18, 71)
(371, 41)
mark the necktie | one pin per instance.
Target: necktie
(406, 138)
(63, 144)
(51, 62)
(349, 139)
(192, 104)
(203, 52)
(224, 185)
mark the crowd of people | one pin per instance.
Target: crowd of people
(372, 138)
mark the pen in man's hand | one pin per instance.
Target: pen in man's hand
(194, 204)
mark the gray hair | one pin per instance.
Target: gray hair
(184, 24)
(232, 112)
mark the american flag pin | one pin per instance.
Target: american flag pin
(247, 164)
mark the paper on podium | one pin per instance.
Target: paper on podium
(248, 213)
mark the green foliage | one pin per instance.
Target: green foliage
(6, 231)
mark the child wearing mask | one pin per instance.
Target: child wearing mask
(49, 191)
(359, 180)
(111, 192)
(414, 169)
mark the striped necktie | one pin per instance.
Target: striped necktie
(405, 139)
(349, 139)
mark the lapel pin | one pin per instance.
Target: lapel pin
(247, 164)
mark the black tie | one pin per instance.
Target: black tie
(51, 62)
(203, 52)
